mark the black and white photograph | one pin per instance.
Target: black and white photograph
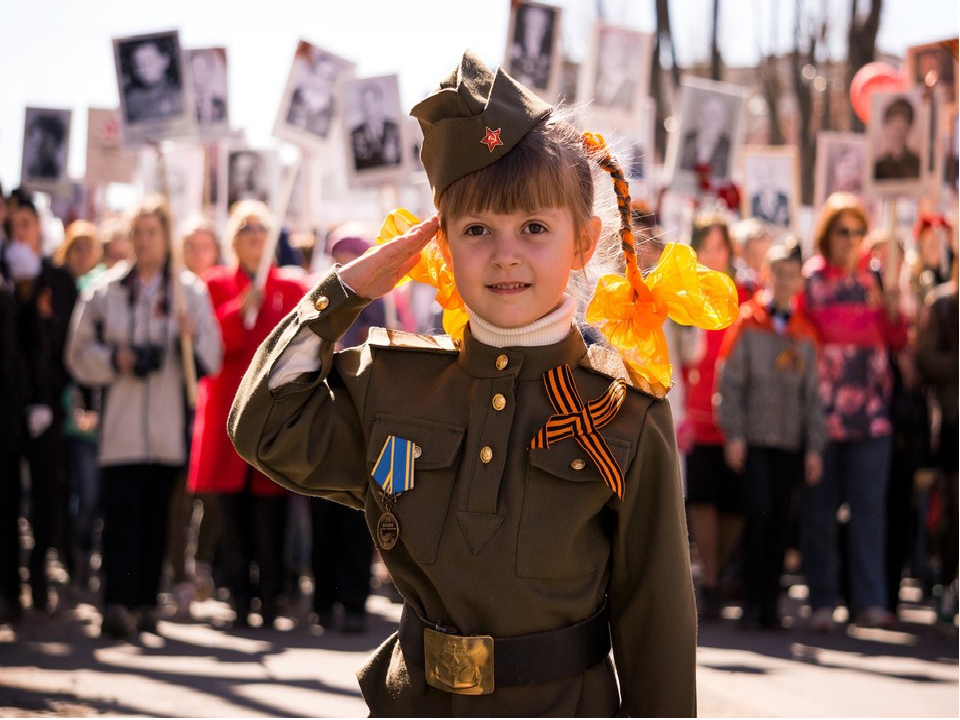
(708, 136)
(250, 174)
(374, 131)
(309, 108)
(616, 76)
(933, 66)
(770, 186)
(898, 141)
(634, 149)
(841, 165)
(46, 146)
(156, 94)
(533, 47)
(208, 72)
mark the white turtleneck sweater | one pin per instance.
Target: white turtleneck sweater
(551, 328)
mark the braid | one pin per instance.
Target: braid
(596, 146)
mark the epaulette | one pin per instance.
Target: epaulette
(610, 364)
(401, 340)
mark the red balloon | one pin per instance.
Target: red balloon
(870, 78)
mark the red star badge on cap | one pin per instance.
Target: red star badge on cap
(492, 139)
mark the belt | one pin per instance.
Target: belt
(475, 664)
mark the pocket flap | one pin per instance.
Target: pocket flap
(568, 460)
(439, 443)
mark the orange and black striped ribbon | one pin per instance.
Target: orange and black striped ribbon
(575, 419)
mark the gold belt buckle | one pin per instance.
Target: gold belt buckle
(460, 664)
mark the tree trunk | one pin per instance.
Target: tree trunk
(804, 93)
(770, 81)
(862, 45)
(714, 46)
(657, 90)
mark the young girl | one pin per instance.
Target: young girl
(523, 491)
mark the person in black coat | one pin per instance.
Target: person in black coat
(43, 297)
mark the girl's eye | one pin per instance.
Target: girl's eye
(474, 230)
(536, 228)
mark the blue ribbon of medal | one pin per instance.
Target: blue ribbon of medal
(393, 470)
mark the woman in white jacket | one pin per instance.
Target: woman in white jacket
(124, 335)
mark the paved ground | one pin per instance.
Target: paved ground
(58, 667)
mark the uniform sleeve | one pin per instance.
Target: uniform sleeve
(89, 359)
(305, 434)
(731, 384)
(653, 611)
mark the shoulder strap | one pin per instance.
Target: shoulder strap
(401, 340)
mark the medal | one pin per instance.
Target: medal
(388, 530)
(393, 472)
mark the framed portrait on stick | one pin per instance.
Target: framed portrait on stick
(46, 146)
(533, 47)
(208, 73)
(375, 132)
(703, 147)
(156, 93)
(309, 106)
(615, 78)
(898, 141)
(841, 165)
(932, 65)
(770, 187)
(108, 161)
(248, 174)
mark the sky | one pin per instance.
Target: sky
(59, 53)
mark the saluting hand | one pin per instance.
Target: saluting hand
(376, 272)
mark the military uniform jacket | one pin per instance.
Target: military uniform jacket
(522, 543)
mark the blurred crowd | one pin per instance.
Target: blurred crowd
(818, 433)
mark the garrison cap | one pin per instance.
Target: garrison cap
(472, 120)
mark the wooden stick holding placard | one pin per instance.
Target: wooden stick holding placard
(179, 302)
(891, 277)
(270, 248)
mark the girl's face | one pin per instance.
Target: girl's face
(513, 269)
(149, 244)
(846, 234)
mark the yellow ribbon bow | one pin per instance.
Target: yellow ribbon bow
(631, 317)
(432, 269)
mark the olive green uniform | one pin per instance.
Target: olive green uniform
(495, 538)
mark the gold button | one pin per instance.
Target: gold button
(417, 452)
(499, 402)
(502, 361)
(578, 464)
(486, 454)
(322, 302)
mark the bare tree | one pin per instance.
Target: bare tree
(664, 38)
(715, 61)
(802, 58)
(862, 42)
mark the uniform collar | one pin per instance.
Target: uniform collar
(524, 363)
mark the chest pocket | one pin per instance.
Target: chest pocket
(561, 526)
(422, 510)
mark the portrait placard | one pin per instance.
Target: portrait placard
(631, 140)
(770, 186)
(533, 47)
(898, 142)
(208, 73)
(46, 147)
(841, 165)
(248, 174)
(933, 66)
(374, 132)
(108, 161)
(309, 106)
(708, 136)
(156, 96)
(615, 78)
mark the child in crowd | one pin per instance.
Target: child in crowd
(522, 488)
(770, 414)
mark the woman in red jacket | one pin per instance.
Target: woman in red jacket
(254, 509)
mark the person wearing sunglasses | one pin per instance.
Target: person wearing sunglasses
(859, 323)
(253, 509)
